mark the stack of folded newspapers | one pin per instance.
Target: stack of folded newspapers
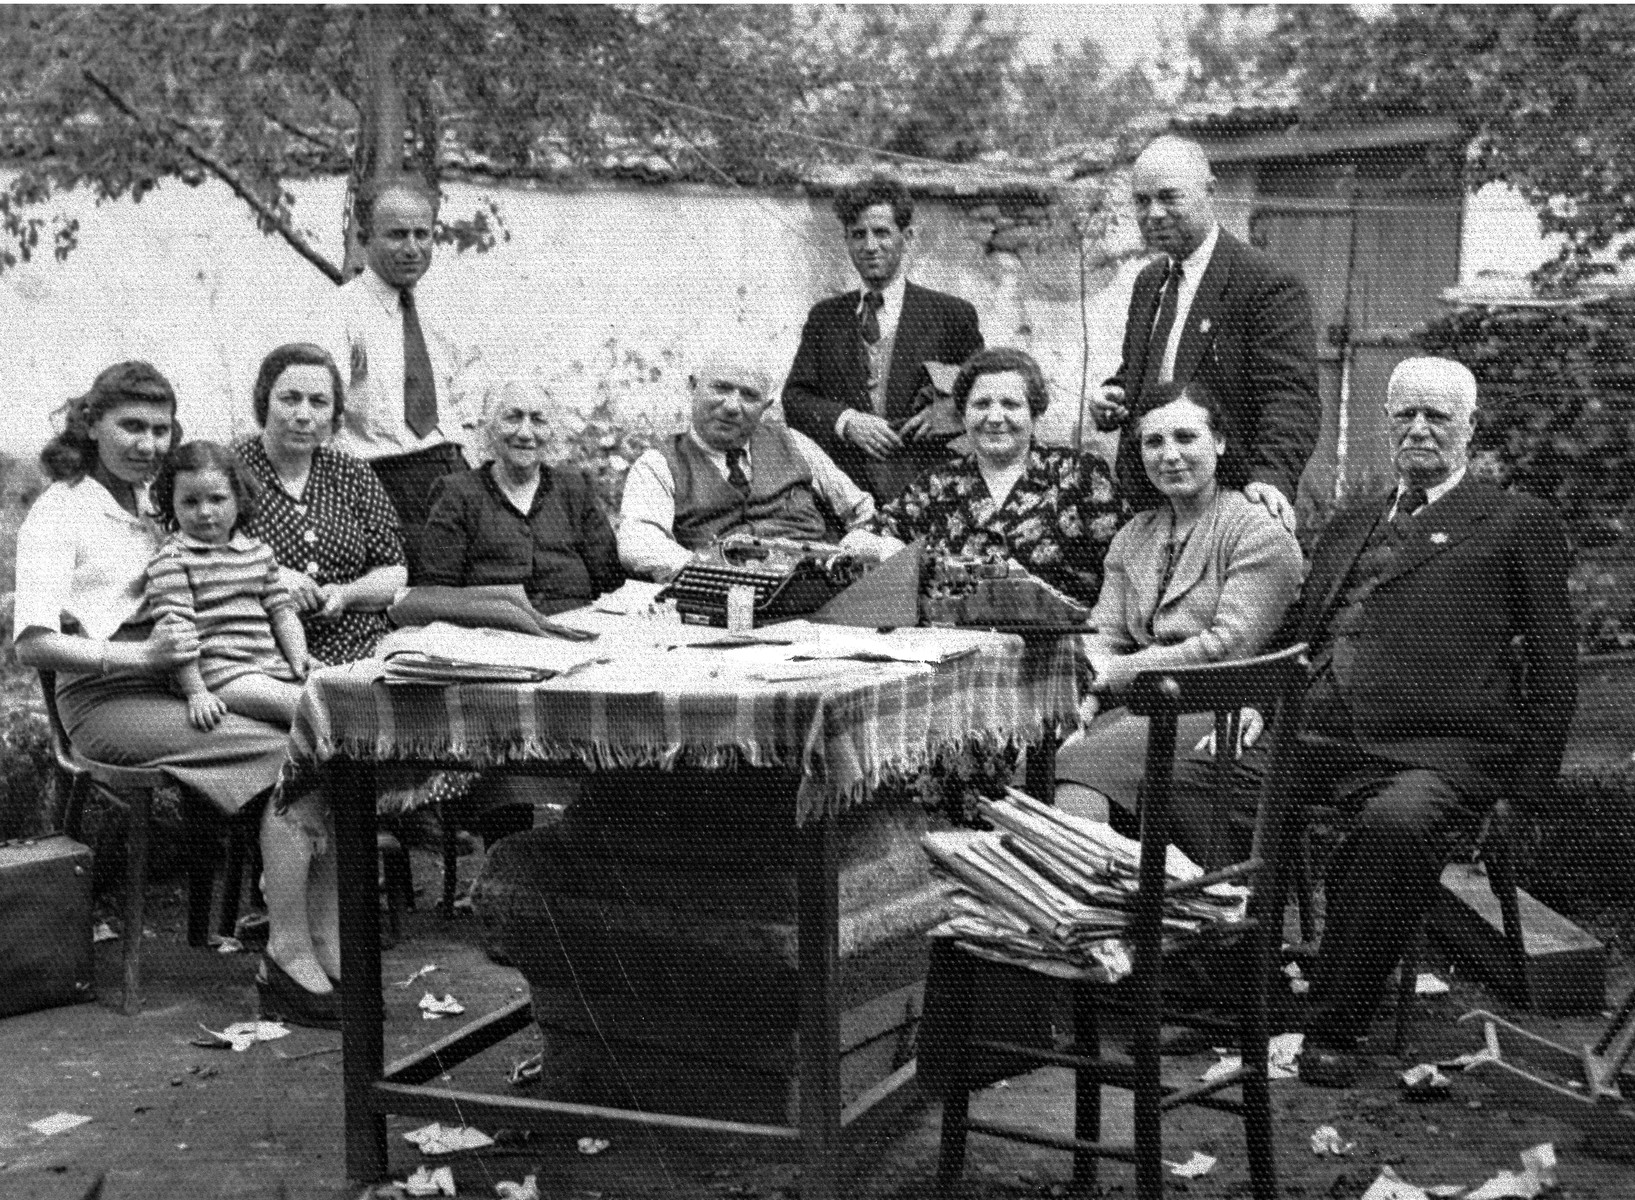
(441, 654)
(1054, 892)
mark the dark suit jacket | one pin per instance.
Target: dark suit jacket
(1248, 339)
(831, 374)
(1434, 682)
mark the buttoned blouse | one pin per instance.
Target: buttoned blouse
(82, 557)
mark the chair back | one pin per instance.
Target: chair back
(1269, 683)
(72, 767)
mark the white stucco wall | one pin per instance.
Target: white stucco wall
(617, 286)
(604, 284)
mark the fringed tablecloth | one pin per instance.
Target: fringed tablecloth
(846, 726)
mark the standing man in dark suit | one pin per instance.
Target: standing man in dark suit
(1443, 676)
(1214, 310)
(859, 374)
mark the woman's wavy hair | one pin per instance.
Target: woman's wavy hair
(205, 456)
(1232, 467)
(997, 360)
(72, 453)
(294, 354)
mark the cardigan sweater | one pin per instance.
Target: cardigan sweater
(561, 550)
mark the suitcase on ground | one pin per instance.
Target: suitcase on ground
(45, 924)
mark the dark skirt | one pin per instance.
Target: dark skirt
(1111, 758)
(131, 720)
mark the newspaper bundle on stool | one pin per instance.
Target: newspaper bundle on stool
(1054, 893)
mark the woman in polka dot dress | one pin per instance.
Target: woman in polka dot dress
(340, 554)
(324, 513)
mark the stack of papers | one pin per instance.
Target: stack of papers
(1057, 892)
(441, 653)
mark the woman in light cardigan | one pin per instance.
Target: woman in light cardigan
(1204, 577)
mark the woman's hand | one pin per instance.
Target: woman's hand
(333, 601)
(1250, 726)
(1088, 708)
(205, 710)
(174, 642)
(303, 589)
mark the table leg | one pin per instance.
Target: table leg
(818, 876)
(1040, 781)
(349, 788)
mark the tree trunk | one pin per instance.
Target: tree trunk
(382, 116)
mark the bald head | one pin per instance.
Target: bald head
(1430, 406)
(730, 393)
(1174, 194)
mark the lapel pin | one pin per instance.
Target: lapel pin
(1439, 538)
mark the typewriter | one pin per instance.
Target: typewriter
(790, 578)
(997, 595)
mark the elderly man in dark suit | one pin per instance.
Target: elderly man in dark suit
(858, 384)
(1443, 676)
(1215, 310)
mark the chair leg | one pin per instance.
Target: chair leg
(136, 882)
(1407, 983)
(1149, 1127)
(239, 832)
(202, 839)
(451, 857)
(1502, 880)
(956, 1096)
(1086, 1090)
(1257, 1098)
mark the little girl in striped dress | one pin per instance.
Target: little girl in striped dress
(252, 650)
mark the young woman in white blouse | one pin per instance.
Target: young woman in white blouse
(82, 555)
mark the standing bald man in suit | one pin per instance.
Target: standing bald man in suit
(1214, 310)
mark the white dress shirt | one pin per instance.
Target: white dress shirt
(891, 312)
(365, 335)
(81, 556)
(647, 514)
(1432, 494)
(1193, 267)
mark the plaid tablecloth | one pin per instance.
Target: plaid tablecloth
(846, 727)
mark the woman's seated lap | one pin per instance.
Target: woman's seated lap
(1205, 577)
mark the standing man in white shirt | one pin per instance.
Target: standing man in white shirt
(730, 473)
(409, 376)
(1215, 313)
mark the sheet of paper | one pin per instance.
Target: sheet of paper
(633, 596)
(57, 1123)
(492, 647)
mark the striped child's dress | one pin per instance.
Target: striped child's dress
(228, 593)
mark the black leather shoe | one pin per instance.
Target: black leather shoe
(283, 999)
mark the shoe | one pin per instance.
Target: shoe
(1327, 1066)
(283, 999)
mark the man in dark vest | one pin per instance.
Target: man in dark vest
(859, 378)
(730, 472)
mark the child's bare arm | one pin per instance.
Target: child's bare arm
(205, 709)
(291, 639)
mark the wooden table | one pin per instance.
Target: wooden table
(839, 731)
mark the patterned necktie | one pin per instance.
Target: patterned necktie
(735, 470)
(872, 301)
(1413, 499)
(419, 386)
(1152, 373)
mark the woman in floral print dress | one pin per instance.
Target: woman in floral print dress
(1050, 509)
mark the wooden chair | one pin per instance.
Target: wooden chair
(132, 788)
(962, 1063)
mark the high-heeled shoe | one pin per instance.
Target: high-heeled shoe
(283, 999)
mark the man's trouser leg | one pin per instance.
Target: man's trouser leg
(408, 480)
(1380, 885)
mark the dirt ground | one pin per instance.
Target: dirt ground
(171, 1121)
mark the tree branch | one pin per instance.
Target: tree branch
(291, 127)
(269, 215)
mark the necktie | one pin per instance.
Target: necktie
(735, 470)
(1152, 374)
(872, 300)
(419, 386)
(1413, 499)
